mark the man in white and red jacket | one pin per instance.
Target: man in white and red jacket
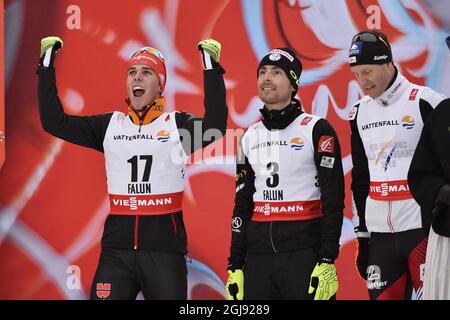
(385, 127)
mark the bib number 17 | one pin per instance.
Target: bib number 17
(134, 167)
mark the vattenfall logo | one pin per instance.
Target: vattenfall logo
(297, 143)
(408, 122)
(163, 136)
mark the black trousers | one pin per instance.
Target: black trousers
(396, 264)
(122, 273)
(278, 276)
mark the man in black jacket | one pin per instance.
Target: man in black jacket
(144, 239)
(289, 200)
(429, 181)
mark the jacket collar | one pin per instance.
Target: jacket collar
(148, 113)
(394, 91)
(280, 119)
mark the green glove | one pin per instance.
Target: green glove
(235, 285)
(325, 277)
(49, 47)
(210, 49)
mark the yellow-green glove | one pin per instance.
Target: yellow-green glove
(235, 285)
(210, 49)
(49, 47)
(324, 281)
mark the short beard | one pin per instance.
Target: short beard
(270, 100)
(275, 100)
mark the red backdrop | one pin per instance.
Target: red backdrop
(53, 197)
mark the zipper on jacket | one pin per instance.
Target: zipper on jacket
(271, 240)
(389, 217)
(136, 225)
(174, 223)
(141, 115)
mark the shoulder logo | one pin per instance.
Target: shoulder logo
(326, 144)
(413, 94)
(327, 162)
(352, 114)
(305, 121)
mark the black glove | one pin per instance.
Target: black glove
(441, 212)
(362, 260)
(49, 47)
(443, 195)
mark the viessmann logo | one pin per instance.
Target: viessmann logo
(267, 209)
(135, 203)
(385, 189)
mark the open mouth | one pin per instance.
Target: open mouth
(138, 91)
